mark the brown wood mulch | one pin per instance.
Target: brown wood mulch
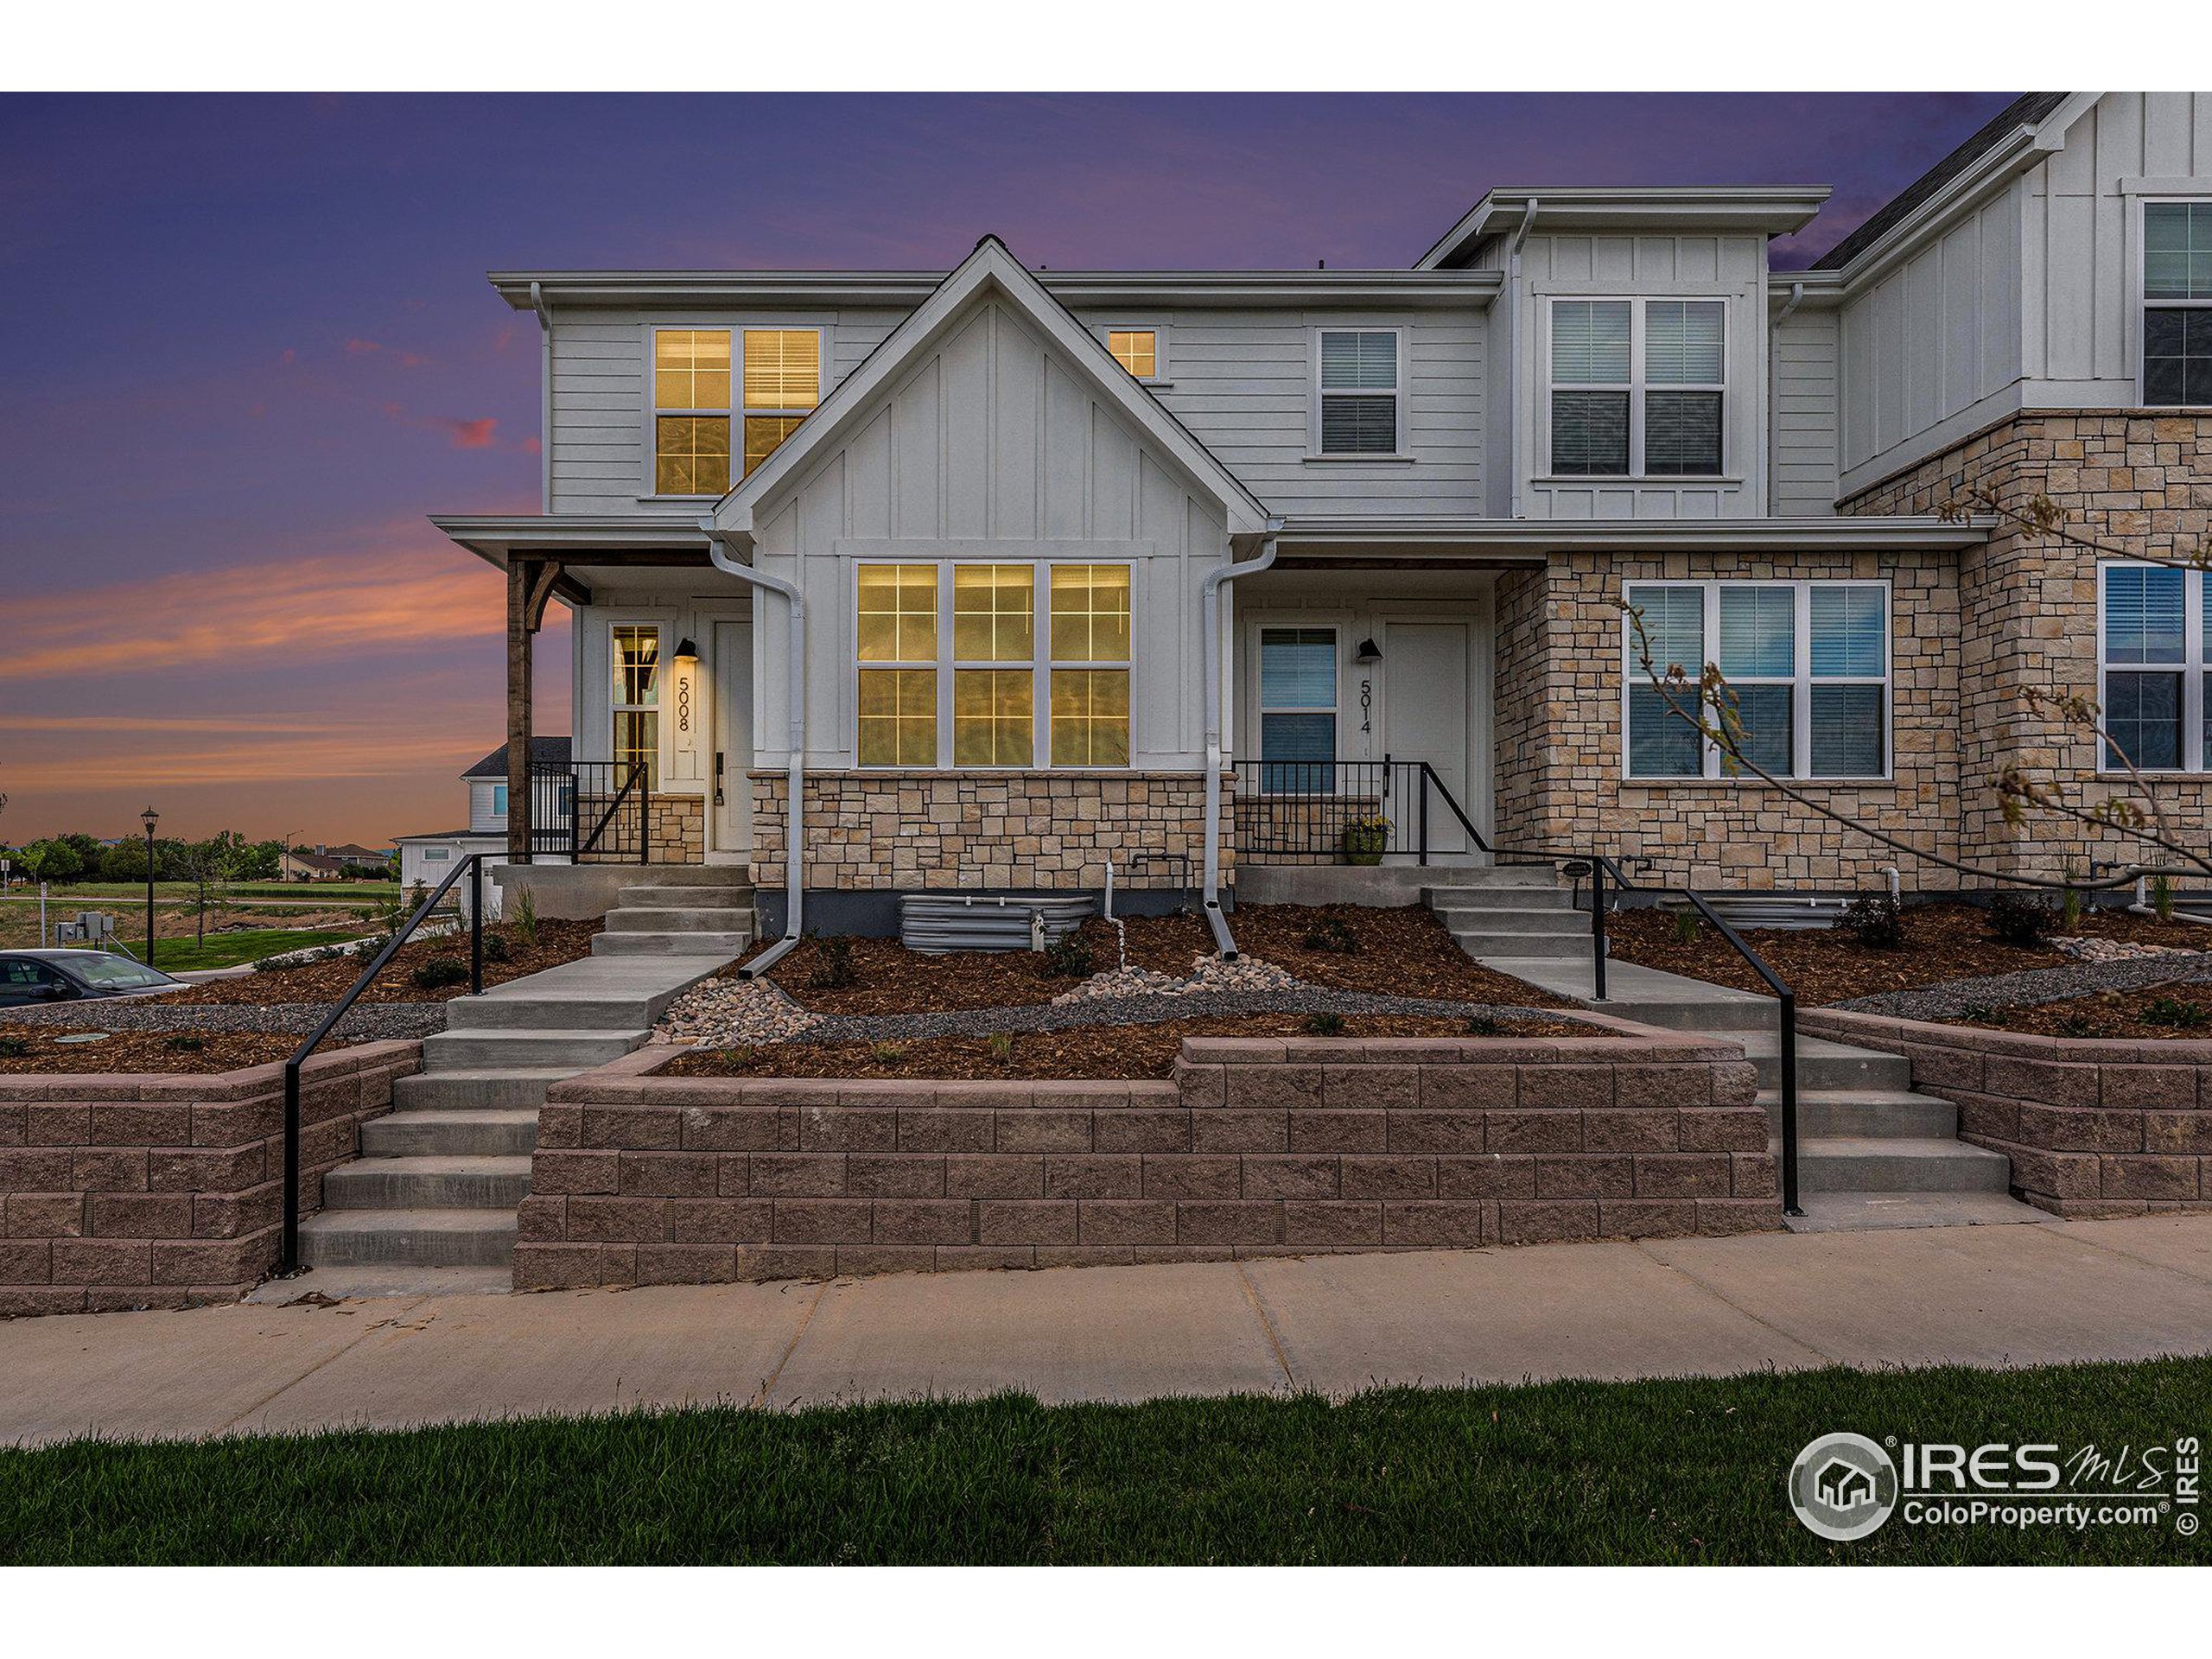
(1403, 952)
(2164, 1012)
(1103, 1051)
(326, 981)
(145, 1050)
(1943, 942)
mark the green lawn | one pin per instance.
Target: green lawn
(359, 892)
(1676, 1471)
(228, 949)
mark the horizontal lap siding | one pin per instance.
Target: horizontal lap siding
(1807, 381)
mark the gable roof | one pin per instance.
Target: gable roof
(2025, 110)
(544, 751)
(991, 269)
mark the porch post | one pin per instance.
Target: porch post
(519, 694)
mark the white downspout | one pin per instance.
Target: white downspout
(544, 396)
(794, 842)
(1517, 496)
(1209, 625)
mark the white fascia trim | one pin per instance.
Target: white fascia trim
(907, 288)
(1319, 534)
(494, 536)
(1776, 210)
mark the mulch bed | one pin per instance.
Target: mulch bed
(2155, 1013)
(146, 1051)
(1943, 942)
(1105, 1051)
(1402, 952)
(326, 981)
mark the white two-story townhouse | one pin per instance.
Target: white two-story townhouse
(1009, 576)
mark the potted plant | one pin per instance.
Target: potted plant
(1365, 837)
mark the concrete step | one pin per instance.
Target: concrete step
(1485, 944)
(445, 1181)
(1847, 1164)
(658, 895)
(670, 919)
(516, 1090)
(1866, 1113)
(379, 1283)
(1858, 1212)
(451, 1131)
(721, 947)
(694, 875)
(1822, 1064)
(552, 1014)
(1513, 886)
(494, 1050)
(429, 1238)
(1515, 919)
(1725, 1014)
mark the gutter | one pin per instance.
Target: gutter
(544, 395)
(1210, 630)
(794, 842)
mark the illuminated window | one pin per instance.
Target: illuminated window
(691, 387)
(896, 633)
(782, 382)
(994, 622)
(635, 700)
(1090, 695)
(1136, 350)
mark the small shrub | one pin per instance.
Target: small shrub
(1069, 956)
(272, 965)
(2019, 920)
(1333, 934)
(1001, 1046)
(439, 972)
(2070, 910)
(2181, 1016)
(1874, 920)
(2162, 898)
(14, 1048)
(887, 1053)
(1981, 1015)
(1325, 1025)
(2077, 1024)
(1481, 1025)
(834, 968)
(185, 1045)
(496, 948)
(1685, 926)
(525, 919)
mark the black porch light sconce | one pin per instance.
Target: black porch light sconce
(687, 663)
(687, 654)
(1369, 653)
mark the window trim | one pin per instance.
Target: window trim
(2139, 345)
(648, 490)
(1159, 376)
(1040, 664)
(1711, 770)
(660, 626)
(1402, 392)
(1639, 387)
(2193, 670)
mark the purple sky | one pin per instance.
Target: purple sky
(245, 346)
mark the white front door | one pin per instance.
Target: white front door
(729, 793)
(1425, 718)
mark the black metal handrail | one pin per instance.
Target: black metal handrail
(561, 796)
(288, 1260)
(1313, 808)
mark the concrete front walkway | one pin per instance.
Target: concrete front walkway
(1988, 1296)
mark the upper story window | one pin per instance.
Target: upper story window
(777, 373)
(971, 695)
(500, 800)
(2152, 664)
(1638, 388)
(1807, 662)
(1361, 406)
(2176, 304)
(1136, 350)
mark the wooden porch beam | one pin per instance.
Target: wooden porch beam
(522, 576)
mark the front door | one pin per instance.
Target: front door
(1425, 718)
(729, 797)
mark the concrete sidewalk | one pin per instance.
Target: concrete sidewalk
(1988, 1296)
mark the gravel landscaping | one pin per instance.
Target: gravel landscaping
(364, 1022)
(2031, 989)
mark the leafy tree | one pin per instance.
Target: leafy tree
(210, 866)
(51, 860)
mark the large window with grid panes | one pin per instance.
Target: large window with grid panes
(992, 666)
(2154, 656)
(2178, 304)
(720, 394)
(1639, 387)
(1808, 664)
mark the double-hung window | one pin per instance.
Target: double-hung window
(777, 378)
(1639, 387)
(971, 694)
(1360, 372)
(2176, 304)
(1807, 664)
(635, 700)
(1298, 709)
(2152, 663)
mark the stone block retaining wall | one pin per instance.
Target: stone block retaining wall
(2093, 1127)
(1300, 1146)
(163, 1191)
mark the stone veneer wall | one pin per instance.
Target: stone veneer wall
(910, 830)
(2028, 604)
(1558, 733)
(676, 825)
(2093, 1127)
(1265, 1146)
(163, 1191)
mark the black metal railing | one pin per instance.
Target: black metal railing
(288, 1260)
(1322, 810)
(600, 810)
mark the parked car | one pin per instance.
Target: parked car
(63, 975)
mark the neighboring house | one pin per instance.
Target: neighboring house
(297, 864)
(427, 858)
(1007, 496)
(354, 856)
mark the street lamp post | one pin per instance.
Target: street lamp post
(149, 818)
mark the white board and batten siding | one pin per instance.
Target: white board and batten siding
(2030, 298)
(1556, 266)
(991, 446)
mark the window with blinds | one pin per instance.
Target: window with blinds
(2177, 303)
(1359, 410)
(1298, 709)
(783, 383)
(1639, 387)
(2153, 661)
(1805, 671)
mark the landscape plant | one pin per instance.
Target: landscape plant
(1874, 920)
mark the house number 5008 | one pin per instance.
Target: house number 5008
(683, 703)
